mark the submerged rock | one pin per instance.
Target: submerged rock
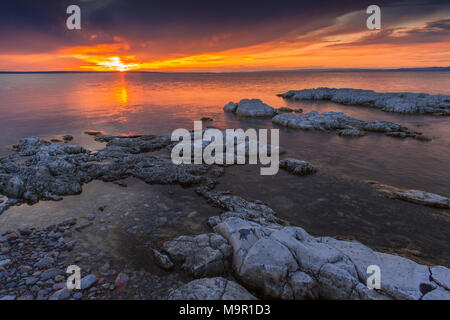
(235, 205)
(67, 138)
(93, 133)
(211, 289)
(285, 109)
(402, 102)
(353, 133)
(250, 108)
(411, 195)
(343, 124)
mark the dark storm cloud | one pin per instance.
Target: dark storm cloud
(195, 26)
(435, 31)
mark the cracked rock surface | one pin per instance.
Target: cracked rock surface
(343, 124)
(285, 262)
(211, 289)
(38, 170)
(402, 102)
(205, 255)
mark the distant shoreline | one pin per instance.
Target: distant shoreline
(428, 69)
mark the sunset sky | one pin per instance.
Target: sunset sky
(219, 36)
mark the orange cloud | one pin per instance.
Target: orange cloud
(326, 48)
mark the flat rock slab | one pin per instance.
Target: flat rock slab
(343, 124)
(401, 102)
(211, 289)
(411, 195)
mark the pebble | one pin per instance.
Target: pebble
(59, 278)
(121, 281)
(88, 281)
(77, 295)
(70, 221)
(12, 236)
(62, 294)
(46, 261)
(67, 138)
(42, 295)
(30, 281)
(50, 274)
(5, 262)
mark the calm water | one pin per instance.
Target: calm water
(333, 202)
(50, 105)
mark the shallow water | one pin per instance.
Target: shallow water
(51, 105)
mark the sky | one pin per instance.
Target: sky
(222, 36)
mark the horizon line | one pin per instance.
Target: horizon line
(254, 71)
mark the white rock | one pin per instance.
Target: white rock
(402, 102)
(437, 294)
(204, 255)
(211, 289)
(441, 276)
(250, 108)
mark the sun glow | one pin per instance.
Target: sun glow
(116, 64)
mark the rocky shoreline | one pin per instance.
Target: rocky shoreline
(404, 102)
(277, 261)
(250, 253)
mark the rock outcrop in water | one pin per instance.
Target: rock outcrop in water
(411, 195)
(250, 108)
(403, 102)
(38, 170)
(343, 124)
(298, 167)
(285, 262)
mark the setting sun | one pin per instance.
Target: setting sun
(116, 64)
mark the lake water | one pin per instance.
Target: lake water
(52, 105)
